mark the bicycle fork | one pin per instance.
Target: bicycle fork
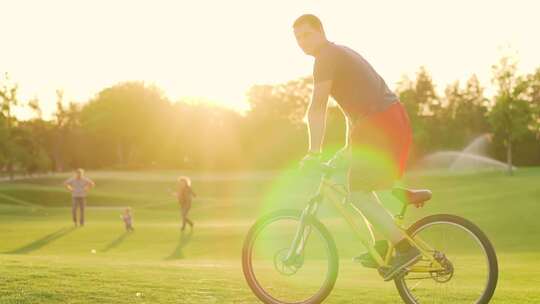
(303, 231)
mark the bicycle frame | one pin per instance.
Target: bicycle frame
(338, 194)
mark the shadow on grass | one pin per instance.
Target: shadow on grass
(35, 245)
(177, 254)
(116, 242)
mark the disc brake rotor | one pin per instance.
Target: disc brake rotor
(282, 267)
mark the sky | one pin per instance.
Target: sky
(216, 49)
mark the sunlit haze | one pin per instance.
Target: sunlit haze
(218, 49)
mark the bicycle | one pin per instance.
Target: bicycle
(450, 271)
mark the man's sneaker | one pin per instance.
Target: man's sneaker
(401, 260)
(367, 261)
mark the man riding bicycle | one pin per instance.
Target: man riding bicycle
(378, 130)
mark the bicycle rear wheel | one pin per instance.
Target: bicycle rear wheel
(274, 279)
(468, 258)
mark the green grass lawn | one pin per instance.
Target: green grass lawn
(43, 259)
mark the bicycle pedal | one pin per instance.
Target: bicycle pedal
(366, 262)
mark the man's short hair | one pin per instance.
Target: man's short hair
(310, 19)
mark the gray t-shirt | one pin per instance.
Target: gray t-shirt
(79, 186)
(356, 86)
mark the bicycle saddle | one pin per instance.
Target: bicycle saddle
(411, 196)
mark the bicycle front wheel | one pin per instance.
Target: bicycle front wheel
(275, 277)
(469, 265)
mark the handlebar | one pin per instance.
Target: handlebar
(323, 168)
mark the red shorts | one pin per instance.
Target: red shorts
(380, 145)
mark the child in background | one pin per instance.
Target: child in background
(128, 219)
(185, 195)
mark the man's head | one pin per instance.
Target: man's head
(309, 33)
(79, 173)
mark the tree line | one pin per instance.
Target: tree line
(133, 125)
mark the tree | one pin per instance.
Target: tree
(28, 139)
(419, 96)
(8, 95)
(126, 121)
(4, 139)
(533, 97)
(203, 136)
(276, 120)
(33, 104)
(65, 129)
(35, 139)
(464, 112)
(423, 105)
(473, 111)
(285, 102)
(510, 117)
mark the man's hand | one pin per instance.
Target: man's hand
(311, 161)
(342, 158)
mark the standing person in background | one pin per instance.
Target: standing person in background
(185, 195)
(79, 185)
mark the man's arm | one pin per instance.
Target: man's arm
(346, 151)
(89, 184)
(316, 115)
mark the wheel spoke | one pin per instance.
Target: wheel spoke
(307, 275)
(469, 264)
